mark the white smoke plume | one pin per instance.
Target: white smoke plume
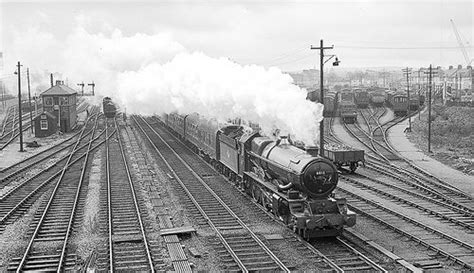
(223, 89)
(153, 74)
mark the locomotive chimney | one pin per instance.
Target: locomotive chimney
(283, 140)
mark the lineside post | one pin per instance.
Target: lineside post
(321, 86)
(430, 72)
(19, 107)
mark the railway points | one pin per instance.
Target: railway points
(129, 149)
(431, 213)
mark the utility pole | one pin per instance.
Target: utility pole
(29, 99)
(3, 93)
(407, 72)
(430, 72)
(93, 85)
(19, 106)
(51, 78)
(82, 87)
(321, 86)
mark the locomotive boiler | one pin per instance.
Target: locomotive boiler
(295, 185)
(294, 168)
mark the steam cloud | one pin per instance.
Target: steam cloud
(152, 74)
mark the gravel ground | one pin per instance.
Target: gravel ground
(173, 206)
(88, 238)
(15, 239)
(449, 123)
(31, 172)
(10, 155)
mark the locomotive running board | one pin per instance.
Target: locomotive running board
(271, 187)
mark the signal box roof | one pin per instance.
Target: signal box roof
(58, 90)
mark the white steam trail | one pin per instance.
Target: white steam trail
(153, 74)
(222, 89)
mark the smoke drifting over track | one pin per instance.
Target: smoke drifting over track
(153, 74)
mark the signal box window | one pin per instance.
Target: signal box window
(48, 101)
(44, 125)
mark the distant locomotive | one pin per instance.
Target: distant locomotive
(346, 106)
(330, 104)
(109, 108)
(377, 97)
(295, 185)
(361, 98)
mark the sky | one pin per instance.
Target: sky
(268, 33)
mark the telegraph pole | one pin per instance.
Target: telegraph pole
(3, 93)
(430, 72)
(407, 72)
(321, 86)
(19, 107)
(29, 99)
(51, 79)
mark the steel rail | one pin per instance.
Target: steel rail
(253, 235)
(36, 155)
(413, 237)
(411, 203)
(12, 190)
(42, 152)
(135, 201)
(310, 247)
(4, 218)
(30, 244)
(361, 256)
(409, 219)
(109, 197)
(76, 200)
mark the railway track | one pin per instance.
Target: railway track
(404, 170)
(10, 128)
(400, 193)
(18, 199)
(457, 209)
(245, 247)
(128, 247)
(410, 171)
(412, 189)
(54, 220)
(346, 259)
(445, 245)
(19, 169)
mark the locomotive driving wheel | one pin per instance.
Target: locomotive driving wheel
(257, 194)
(353, 167)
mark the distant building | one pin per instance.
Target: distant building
(60, 100)
(45, 124)
(308, 78)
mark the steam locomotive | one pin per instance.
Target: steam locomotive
(109, 108)
(295, 185)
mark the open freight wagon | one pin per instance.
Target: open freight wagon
(344, 156)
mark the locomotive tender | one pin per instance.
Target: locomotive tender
(295, 185)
